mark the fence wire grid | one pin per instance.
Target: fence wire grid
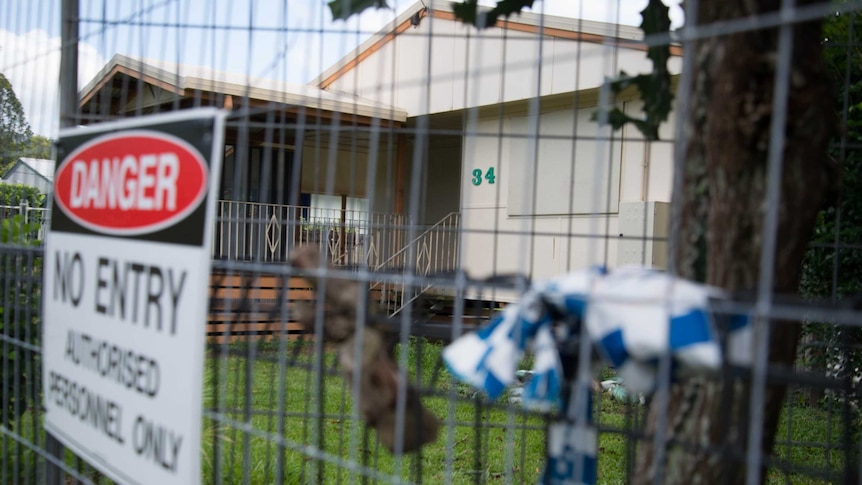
(444, 171)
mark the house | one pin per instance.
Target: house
(462, 147)
(35, 172)
(274, 194)
(502, 117)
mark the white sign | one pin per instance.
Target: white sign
(127, 264)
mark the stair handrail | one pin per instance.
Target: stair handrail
(401, 289)
(415, 240)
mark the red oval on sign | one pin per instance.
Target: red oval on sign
(133, 182)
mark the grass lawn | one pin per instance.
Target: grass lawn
(263, 416)
(507, 442)
(800, 445)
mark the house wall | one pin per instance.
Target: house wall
(25, 176)
(463, 67)
(440, 178)
(349, 168)
(554, 199)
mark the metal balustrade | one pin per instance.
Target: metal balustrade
(433, 251)
(252, 231)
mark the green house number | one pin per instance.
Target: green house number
(489, 176)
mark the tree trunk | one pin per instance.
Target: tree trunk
(728, 129)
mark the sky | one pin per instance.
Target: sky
(218, 34)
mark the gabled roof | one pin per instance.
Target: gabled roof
(547, 25)
(41, 167)
(184, 80)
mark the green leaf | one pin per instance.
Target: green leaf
(466, 11)
(654, 88)
(617, 119)
(14, 230)
(15, 132)
(469, 13)
(508, 7)
(343, 9)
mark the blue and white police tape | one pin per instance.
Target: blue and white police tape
(633, 315)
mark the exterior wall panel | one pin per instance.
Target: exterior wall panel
(489, 66)
(548, 234)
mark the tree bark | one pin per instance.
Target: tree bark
(723, 200)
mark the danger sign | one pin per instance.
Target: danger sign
(127, 263)
(129, 182)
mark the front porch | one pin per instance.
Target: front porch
(380, 241)
(253, 231)
(250, 304)
(303, 165)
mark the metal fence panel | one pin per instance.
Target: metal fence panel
(443, 172)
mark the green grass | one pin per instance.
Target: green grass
(510, 443)
(812, 427)
(804, 449)
(502, 430)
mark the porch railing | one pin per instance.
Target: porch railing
(433, 251)
(252, 231)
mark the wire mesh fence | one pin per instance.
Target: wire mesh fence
(461, 178)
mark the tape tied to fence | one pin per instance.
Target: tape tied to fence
(632, 315)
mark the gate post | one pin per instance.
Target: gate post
(68, 114)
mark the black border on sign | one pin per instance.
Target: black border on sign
(195, 127)
(199, 158)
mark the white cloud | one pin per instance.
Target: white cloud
(31, 62)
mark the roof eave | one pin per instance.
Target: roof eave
(181, 85)
(357, 107)
(587, 30)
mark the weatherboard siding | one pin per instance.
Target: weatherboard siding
(545, 235)
(463, 67)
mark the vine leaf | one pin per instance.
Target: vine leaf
(654, 88)
(468, 11)
(343, 9)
